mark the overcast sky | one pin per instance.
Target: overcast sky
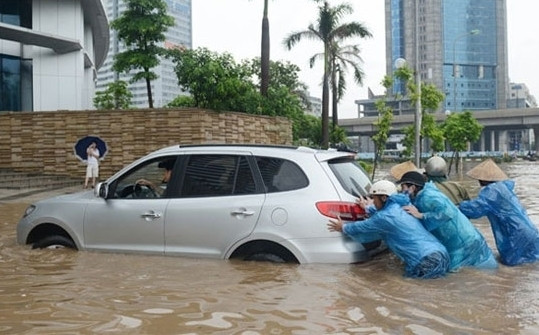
(234, 26)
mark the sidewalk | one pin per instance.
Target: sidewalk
(27, 187)
(34, 194)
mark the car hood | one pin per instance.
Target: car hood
(84, 195)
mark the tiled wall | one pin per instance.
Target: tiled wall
(43, 142)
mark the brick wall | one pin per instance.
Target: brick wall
(43, 142)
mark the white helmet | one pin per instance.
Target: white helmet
(436, 167)
(383, 187)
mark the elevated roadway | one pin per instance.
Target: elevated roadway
(496, 124)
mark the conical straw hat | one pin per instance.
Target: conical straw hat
(398, 170)
(487, 171)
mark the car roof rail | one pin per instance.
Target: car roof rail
(282, 146)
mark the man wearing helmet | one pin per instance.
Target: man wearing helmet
(424, 256)
(436, 171)
(465, 244)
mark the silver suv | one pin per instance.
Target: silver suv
(252, 202)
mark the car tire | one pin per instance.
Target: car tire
(265, 257)
(54, 242)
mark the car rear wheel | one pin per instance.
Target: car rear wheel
(54, 242)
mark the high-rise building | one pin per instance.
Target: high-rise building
(165, 88)
(49, 53)
(461, 48)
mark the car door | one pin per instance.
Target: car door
(130, 225)
(129, 220)
(218, 204)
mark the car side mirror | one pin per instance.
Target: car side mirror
(101, 190)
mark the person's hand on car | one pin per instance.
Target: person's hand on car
(335, 225)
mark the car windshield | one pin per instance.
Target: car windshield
(351, 175)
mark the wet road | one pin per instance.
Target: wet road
(67, 292)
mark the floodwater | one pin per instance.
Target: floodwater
(69, 292)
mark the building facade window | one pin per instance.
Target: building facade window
(15, 84)
(16, 12)
(10, 83)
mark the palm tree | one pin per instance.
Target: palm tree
(341, 59)
(265, 53)
(331, 33)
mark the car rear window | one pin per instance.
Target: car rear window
(351, 176)
(281, 175)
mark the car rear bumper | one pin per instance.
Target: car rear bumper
(338, 250)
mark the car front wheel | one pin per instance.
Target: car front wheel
(54, 242)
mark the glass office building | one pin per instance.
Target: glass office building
(461, 48)
(45, 65)
(165, 88)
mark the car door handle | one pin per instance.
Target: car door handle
(243, 212)
(151, 215)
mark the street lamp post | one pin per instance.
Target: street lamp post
(417, 115)
(417, 120)
(400, 62)
(472, 32)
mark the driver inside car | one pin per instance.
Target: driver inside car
(160, 189)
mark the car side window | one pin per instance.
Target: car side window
(281, 175)
(147, 180)
(217, 175)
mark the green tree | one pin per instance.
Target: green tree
(218, 82)
(431, 97)
(115, 96)
(283, 74)
(142, 28)
(383, 126)
(460, 129)
(338, 136)
(182, 101)
(341, 59)
(385, 117)
(330, 32)
(385, 113)
(309, 132)
(432, 131)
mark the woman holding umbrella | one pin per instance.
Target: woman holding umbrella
(90, 150)
(92, 169)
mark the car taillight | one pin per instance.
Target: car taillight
(347, 211)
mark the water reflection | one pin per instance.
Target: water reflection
(66, 292)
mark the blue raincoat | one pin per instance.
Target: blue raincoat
(423, 255)
(517, 238)
(465, 244)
